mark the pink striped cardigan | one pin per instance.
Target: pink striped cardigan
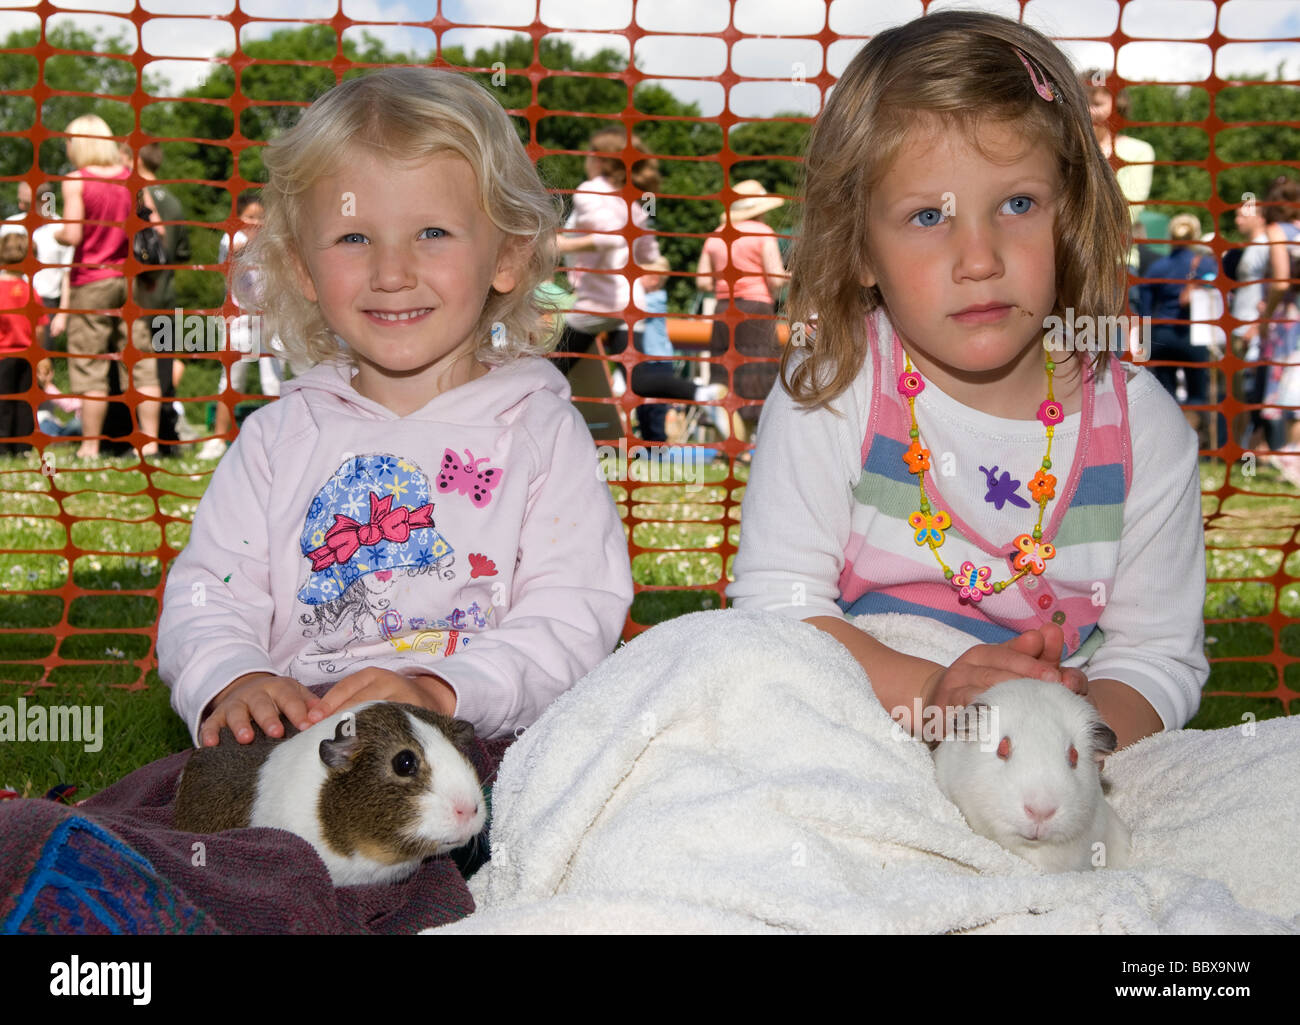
(886, 571)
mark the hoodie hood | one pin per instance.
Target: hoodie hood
(499, 390)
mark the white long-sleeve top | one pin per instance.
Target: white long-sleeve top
(799, 511)
(599, 209)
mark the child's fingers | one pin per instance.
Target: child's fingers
(338, 696)
(266, 710)
(1053, 641)
(1030, 643)
(294, 705)
(1000, 662)
(210, 730)
(238, 721)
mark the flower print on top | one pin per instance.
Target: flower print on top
(481, 566)
(373, 515)
(467, 478)
(368, 530)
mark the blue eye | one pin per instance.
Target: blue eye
(432, 233)
(353, 236)
(927, 218)
(1018, 205)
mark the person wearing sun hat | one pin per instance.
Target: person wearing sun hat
(758, 275)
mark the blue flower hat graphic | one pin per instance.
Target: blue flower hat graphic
(373, 514)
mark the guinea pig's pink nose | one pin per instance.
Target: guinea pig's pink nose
(464, 811)
(1039, 814)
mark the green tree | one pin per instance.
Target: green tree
(96, 78)
(1252, 139)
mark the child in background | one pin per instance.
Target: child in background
(936, 447)
(45, 418)
(419, 517)
(15, 338)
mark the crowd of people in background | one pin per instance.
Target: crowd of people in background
(79, 237)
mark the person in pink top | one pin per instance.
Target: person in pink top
(759, 275)
(96, 205)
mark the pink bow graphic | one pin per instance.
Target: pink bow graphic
(386, 524)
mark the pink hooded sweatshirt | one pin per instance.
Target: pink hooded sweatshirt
(474, 538)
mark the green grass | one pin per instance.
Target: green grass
(123, 513)
(138, 727)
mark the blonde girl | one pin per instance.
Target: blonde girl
(419, 517)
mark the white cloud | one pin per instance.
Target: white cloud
(498, 12)
(778, 17)
(697, 56)
(122, 6)
(583, 14)
(373, 10)
(420, 43)
(191, 7)
(684, 15)
(186, 37)
(298, 9)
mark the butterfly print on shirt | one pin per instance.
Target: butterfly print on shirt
(466, 477)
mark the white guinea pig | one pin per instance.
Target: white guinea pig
(375, 789)
(1024, 766)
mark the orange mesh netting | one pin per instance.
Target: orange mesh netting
(750, 61)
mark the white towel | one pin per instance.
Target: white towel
(733, 772)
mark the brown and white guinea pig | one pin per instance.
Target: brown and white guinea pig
(1024, 766)
(375, 789)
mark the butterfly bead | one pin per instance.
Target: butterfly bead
(1033, 555)
(971, 582)
(467, 478)
(929, 529)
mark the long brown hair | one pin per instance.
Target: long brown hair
(962, 67)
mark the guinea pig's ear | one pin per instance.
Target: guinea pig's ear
(460, 733)
(339, 752)
(1104, 741)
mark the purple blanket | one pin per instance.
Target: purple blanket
(114, 864)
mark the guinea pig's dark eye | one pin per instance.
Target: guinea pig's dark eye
(405, 763)
(1004, 748)
(1074, 757)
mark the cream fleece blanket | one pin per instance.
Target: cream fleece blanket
(733, 772)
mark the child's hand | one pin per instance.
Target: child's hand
(261, 696)
(373, 684)
(1033, 654)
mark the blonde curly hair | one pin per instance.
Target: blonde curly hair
(403, 113)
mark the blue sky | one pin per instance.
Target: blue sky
(187, 32)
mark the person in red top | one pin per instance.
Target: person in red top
(15, 338)
(96, 205)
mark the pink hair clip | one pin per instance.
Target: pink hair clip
(1041, 85)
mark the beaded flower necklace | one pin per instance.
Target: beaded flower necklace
(972, 582)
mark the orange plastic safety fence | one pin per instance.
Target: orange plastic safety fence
(64, 521)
